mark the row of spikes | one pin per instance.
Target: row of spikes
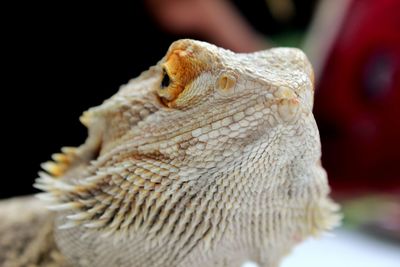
(107, 200)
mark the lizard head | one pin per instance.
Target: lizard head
(196, 73)
(202, 111)
(198, 93)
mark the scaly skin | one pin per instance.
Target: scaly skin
(210, 158)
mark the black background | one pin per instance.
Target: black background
(60, 59)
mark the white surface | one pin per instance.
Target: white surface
(343, 248)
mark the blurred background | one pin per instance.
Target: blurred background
(62, 58)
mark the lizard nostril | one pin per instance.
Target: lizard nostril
(284, 93)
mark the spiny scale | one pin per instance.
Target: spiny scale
(107, 212)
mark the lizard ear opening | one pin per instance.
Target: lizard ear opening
(181, 66)
(166, 80)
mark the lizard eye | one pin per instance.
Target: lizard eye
(165, 80)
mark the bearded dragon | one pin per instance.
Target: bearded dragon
(209, 158)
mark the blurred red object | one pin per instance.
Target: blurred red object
(358, 99)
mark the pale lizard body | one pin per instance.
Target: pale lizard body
(210, 158)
